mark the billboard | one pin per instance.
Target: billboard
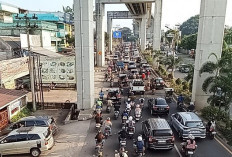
(117, 34)
(58, 70)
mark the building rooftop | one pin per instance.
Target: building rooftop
(9, 95)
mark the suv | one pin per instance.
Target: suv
(41, 121)
(24, 140)
(186, 123)
(157, 83)
(158, 106)
(158, 134)
(113, 94)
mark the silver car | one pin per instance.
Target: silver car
(186, 123)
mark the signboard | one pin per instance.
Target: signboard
(58, 70)
(14, 108)
(170, 35)
(117, 34)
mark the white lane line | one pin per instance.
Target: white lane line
(229, 151)
(177, 150)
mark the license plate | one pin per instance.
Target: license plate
(194, 132)
(124, 117)
(214, 133)
(190, 152)
(162, 142)
(113, 97)
(161, 108)
(130, 133)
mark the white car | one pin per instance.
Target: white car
(27, 140)
(132, 65)
(126, 59)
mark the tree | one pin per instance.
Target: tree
(171, 62)
(189, 42)
(189, 77)
(68, 9)
(190, 26)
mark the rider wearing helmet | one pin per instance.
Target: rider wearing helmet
(137, 109)
(122, 134)
(180, 99)
(140, 144)
(98, 118)
(101, 95)
(99, 137)
(130, 123)
(191, 143)
(99, 104)
(108, 124)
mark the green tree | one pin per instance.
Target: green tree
(190, 26)
(68, 9)
(189, 77)
(171, 62)
(189, 42)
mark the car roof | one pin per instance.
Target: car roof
(158, 124)
(189, 116)
(158, 78)
(113, 89)
(137, 80)
(28, 130)
(36, 118)
(160, 99)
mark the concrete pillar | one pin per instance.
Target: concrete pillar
(143, 33)
(209, 40)
(157, 25)
(100, 11)
(84, 48)
(109, 31)
(139, 21)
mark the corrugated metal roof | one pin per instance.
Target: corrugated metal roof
(44, 52)
(9, 95)
(13, 42)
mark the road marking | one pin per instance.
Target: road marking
(177, 150)
(223, 146)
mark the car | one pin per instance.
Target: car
(126, 59)
(158, 106)
(113, 94)
(137, 86)
(38, 121)
(132, 73)
(27, 140)
(184, 68)
(143, 62)
(186, 123)
(120, 64)
(158, 134)
(146, 67)
(132, 65)
(157, 83)
(115, 57)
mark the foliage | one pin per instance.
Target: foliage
(149, 59)
(189, 42)
(185, 85)
(189, 77)
(70, 40)
(170, 76)
(23, 113)
(228, 36)
(171, 62)
(190, 26)
(68, 9)
(178, 81)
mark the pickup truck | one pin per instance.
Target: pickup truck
(137, 86)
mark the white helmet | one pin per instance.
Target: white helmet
(137, 106)
(140, 138)
(191, 137)
(191, 103)
(130, 118)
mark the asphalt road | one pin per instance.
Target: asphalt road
(206, 147)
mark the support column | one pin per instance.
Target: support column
(100, 11)
(143, 32)
(109, 31)
(209, 40)
(84, 48)
(157, 25)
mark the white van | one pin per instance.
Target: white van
(27, 140)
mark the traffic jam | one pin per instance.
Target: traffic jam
(140, 112)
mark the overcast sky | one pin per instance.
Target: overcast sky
(174, 11)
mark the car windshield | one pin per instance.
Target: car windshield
(162, 133)
(138, 83)
(161, 102)
(158, 80)
(195, 124)
(132, 63)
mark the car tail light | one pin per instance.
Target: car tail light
(167, 107)
(155, 108)
(46, 142)
(150, 139)
(119, 95)
(173, 138)
(50, 127)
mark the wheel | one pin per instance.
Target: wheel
(35, 152)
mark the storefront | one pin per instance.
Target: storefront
(12, 101)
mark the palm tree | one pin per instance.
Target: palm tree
(171, 62)
(189, 77)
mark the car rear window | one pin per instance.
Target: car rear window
(138, 83)
(161, 102)
(162, 133)
(196, 124)
(47, 133)
(40, 123)
(33, 137)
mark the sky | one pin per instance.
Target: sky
(174, 11)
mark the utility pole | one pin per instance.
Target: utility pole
(31, 57)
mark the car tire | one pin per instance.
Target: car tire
(35, 152)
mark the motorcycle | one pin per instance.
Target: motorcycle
(107, 132)
(131, 131)
(188, 152)
(98, 126)
(111, 83)
(108, 109)
(138, 153)
(132, 103)
(116, 115)
(121, 153)
(124, 119)
(122, 143)
(99, 150)
(128, 110)
(180, 105)
(211, 132)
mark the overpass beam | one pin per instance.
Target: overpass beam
(84, 48)
(100, 11)
(157, 25)
(109, 31)
(209, 40)
(143, 35)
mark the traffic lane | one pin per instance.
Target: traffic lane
(178, 74)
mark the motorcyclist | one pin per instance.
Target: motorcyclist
(211, 124)
(98, 118)
(109, 103)
(140, 145)
(125, 114)
(137, 109)
(122, 134)
(190, 143)
(191, 106)
(180, 99)
(117, 106)
(130, 123)
(99, 104)
(128, 107)
(99, 138)
(108, 125)
(101, 95)
(142, 100)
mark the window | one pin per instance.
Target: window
(161, 102)
(33, 137)
(21, 137)
(40, 123)
(162, 132)
(196, 124)
(30, 123)
(10, 139)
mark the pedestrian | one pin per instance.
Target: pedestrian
(148, 74)
(143, 76)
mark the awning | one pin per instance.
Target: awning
(45, 52)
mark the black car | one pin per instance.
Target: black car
(158, 134)
(158, 106)
(113, 94)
